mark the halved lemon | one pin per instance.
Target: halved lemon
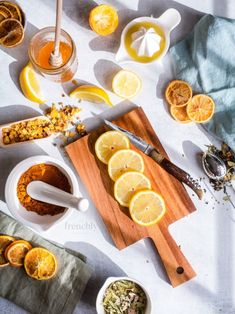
(147, 207)
(128, 184)
(103, 19)
(5, 241)
(16, 251)
(201, 108)
(178, 93)
(124, 160)
(126, 84)
(108, 143)
(180, 114)
(40, 264)
(30, 85)
(92, 94)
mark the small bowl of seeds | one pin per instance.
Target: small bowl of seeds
(123, 295)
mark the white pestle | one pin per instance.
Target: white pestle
(55, 57)
(47, 193)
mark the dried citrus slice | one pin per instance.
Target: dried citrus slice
(103, 19)
(128, 184)
(91, 93)
(178, 93)
(180, 114)
(5, 11)
(14, 9)
(40, 264)
(5, 241)
(108, 143)
(126, 84)
(147, 207)
(30, 85)
(16, 251)
(124, 160)
(201, 108)
(11, 33)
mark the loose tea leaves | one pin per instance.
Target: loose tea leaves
(124, 297)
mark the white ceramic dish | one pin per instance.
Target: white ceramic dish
(167, 21)
(99, 299)
(32, 219)
(8, 125)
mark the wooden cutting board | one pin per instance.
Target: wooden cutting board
(123, 230)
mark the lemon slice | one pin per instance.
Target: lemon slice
(128, 184)
(30, 85)
(126, 84)
(108, 143)
(92, 94)
(124, 160)
(147, 207)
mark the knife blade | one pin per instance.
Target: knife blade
(165, 163)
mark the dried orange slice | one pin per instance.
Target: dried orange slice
(103, 19)
(40, 264)
(5, 241)
(201, 108)
(16, 251)
(178, 93)
(5, 11)
(11, 33)
(180, 114)
(14, 10)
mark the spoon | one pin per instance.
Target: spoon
(47, 193)
(213, 166)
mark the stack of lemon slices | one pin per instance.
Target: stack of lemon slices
(184, 107)
(131, 187)
(39, 263)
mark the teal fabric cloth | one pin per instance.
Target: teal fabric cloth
(206, 59)
(57, 295)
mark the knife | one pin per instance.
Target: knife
(165, 163)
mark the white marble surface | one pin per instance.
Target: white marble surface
(207, 236)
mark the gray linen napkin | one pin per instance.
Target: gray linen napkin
(57, 295)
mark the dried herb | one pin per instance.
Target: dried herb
(124, 297)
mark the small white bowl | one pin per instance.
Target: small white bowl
(32, 219)
(100, 296)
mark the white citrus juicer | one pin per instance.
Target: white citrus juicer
(147, 41)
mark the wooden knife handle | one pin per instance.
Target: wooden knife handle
(176, 172)
(177, 267)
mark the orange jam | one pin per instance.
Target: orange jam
(45, 52)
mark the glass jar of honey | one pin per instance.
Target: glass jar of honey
(40, 48)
